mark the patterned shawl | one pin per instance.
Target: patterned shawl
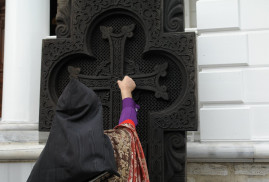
(128, 154)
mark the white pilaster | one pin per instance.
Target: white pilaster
(220, 14)
(233, 52)
(27, 23)
(254, 14)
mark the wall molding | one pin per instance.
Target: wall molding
(18, 126)
(20, 151)
(196, 151)
(18, 132)
(228, 152)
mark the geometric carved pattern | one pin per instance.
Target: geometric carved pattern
(99, 42)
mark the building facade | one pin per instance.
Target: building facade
(232, 143)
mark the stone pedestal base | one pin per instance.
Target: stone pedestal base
(228, 172)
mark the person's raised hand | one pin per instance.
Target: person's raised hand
(127, 85)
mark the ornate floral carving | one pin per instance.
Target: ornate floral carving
(174, 16)
(87, 11)
(175, 156)
(183, 117)
(103, 69)
(131, 67)
(63, 20)
(151, 81)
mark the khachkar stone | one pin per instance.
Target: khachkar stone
(98, 42)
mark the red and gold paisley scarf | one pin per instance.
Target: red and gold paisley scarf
(128, 153)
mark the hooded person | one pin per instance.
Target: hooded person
(79, 150)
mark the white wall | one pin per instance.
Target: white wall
(15, 172)
(190, 13)
(233, 60)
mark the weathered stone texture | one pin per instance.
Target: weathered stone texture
(228, 172)
(208, 169)
(252, 169)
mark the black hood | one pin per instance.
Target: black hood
(77, 148)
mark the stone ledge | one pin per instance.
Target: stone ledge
(228, 172)
(196, 152)
(6, 126)
(228, 152)
(14, 132)
(20, 151)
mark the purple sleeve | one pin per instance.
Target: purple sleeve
(129, 109)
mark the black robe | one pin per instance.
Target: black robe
(77, 149)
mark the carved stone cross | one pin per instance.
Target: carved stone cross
(117, 45)
(100, 41)
(148, 82)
